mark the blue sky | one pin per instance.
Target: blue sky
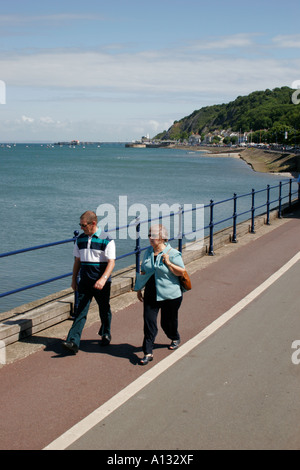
(116, 70)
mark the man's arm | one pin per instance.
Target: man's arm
(76, 268)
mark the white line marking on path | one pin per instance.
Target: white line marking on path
(79, 429)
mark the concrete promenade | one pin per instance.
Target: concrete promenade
(231, 385)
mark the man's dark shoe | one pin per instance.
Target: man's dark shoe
(70, 346)
(105, 341)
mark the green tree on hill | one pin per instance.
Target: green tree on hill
(271, 112)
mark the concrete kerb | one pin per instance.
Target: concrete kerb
(34, 317)
(29, 319)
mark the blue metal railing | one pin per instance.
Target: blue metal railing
(252, 211)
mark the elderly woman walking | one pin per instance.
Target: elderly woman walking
(161, 268)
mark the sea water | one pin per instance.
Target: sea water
(45, 188)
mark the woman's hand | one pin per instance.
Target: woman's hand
(140, 296)
(166, 259)
(177, 270)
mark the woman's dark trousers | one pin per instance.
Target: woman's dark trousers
(169, 321)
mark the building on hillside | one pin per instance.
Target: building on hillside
(194, 139)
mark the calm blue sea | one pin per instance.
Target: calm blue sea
(44, 189)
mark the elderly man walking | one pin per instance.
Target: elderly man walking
(95, 259)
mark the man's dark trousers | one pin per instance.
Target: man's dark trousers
(85, 296)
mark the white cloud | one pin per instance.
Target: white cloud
(287, 41)
(139, 73)
(83, 93)
(27, 119)
(47, 120)
(240, 40)
(154, 127)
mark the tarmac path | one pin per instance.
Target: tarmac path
(237, 389)
(49, 392)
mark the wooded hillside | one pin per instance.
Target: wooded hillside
(271, 112)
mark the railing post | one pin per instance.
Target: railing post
(268, 205)
(137, 245)
(234, 240)
(211, 229)
(280, 200)
(180, 228)
(290, 193)
(76, 234)
(253, 212)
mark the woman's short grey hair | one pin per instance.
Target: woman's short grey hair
(159, 231)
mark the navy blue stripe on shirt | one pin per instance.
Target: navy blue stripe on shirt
(96, 243)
